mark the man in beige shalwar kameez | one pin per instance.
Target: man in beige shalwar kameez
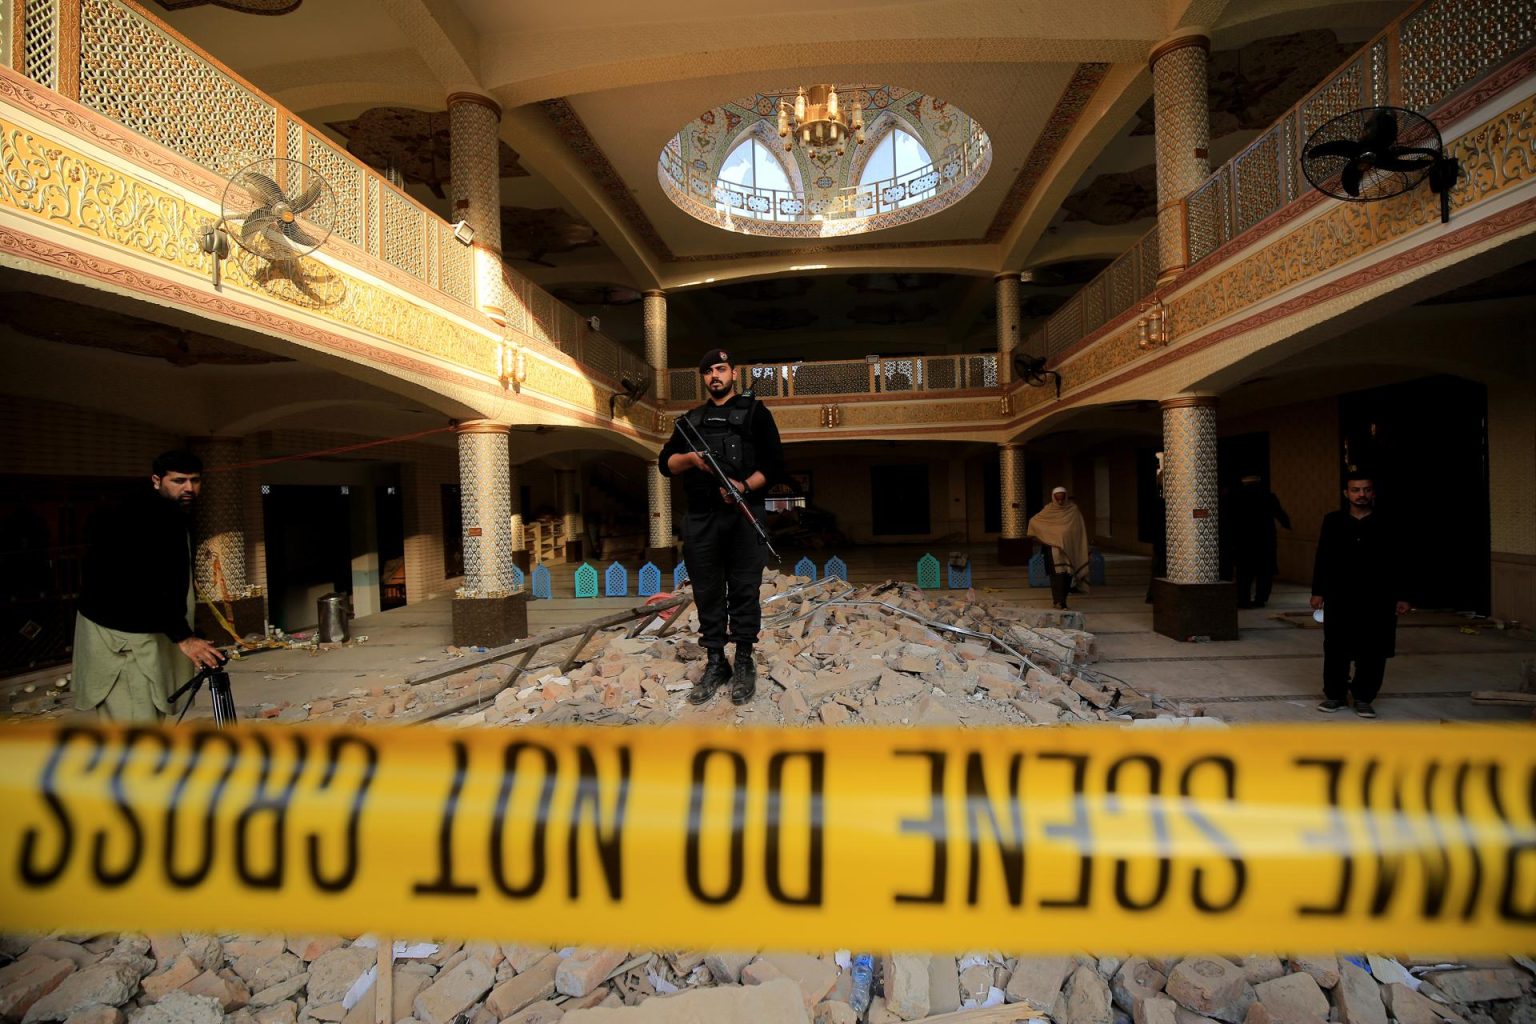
(1064, 542)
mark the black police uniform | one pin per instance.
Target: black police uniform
(722, 552)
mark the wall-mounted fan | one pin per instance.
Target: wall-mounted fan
(279, 210)
(1377, 152)
(634, 390)
(1031, 370)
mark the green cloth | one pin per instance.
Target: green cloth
(127, 677)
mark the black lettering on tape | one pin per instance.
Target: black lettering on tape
(110, 878)
(978, 803)
(1218, 838)
(1475, 888)
(32, 873)
(1525, 847)
(738, 851)
(201, 739)
(932, 826)
(350, 866)
(1391, 852)
(772, 855)
(1335, 840)
(1154, 772)
(276, 807)
(610, 846)
(445, 885)
(1079, 830)
(537, 851)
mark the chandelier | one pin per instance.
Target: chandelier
(816, 119)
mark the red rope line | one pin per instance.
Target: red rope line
(328, 451)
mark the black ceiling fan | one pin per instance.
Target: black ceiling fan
(1031, 370)
(634, 390)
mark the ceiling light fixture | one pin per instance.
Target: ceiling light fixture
(819, 121)
(811, 266)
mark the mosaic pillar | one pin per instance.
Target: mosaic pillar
(658, 494)
(1007, 325)
(218, 529)
(485, 611)
(1012, 544)
(1192, 601)
(474, 125)
(1183, 138)
(520, 556)
(570, 483)
(656, 343)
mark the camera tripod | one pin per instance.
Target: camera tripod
(219, 692)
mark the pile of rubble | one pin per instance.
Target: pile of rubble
(202, 979)
(887, 654)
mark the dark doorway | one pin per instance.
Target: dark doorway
(899, 499)
(391, 517)
(309, 536)
(1151, 516)
(1237, 456)
(992, 494)
(453, 532)
(1034, 487)
(1426, 444)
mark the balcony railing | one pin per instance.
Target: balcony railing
(1116, 288)
(1418, 61)
(120, 61)
(898, 375)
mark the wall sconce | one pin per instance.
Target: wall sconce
(1152, 328)
(1005, 405)
(831, 415)
(511, 366)
(463, 232)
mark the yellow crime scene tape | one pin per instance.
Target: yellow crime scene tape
(1028, 840)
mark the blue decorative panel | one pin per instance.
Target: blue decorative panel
(1037, 574)
(679, 575)
(541, 584)
(650, 580)
(615, 581)
(518, 579)
(1095, 568)
(836, 567)
(959, 579)
(928, 572)
(806, 567)
(586, 581)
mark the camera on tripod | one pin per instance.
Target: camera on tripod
(219, 692)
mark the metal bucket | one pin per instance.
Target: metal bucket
(331, 612)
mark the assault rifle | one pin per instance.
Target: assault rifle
(690, 434)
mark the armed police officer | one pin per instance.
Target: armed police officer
(722, 551)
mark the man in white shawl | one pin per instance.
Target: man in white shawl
(1064, 542)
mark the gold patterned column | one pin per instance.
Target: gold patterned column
(570, 511)
(519, 535)
(474, 125)
(219, 530)
(219, 519)
(659, 500)
(1189, 488)
(656, 342)
(485, 502)
(1007, 286)
(1183, 127)
(1012, 544)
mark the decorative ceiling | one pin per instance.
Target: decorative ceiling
(593, 91)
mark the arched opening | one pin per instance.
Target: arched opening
(898, 172)
(752, 181)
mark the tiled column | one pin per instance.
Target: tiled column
(1007, 286)
(1192, 600)
(570, 483)
(655, 313)
(485, 611)
(1012, 544)
(219, 533)
(519, 535)
(474, 125)
(1183, 137)
(659, 499)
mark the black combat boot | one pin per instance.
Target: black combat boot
(743, 676)
(717, 672)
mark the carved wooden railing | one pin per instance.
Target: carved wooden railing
(120, 61)
(897, 375)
